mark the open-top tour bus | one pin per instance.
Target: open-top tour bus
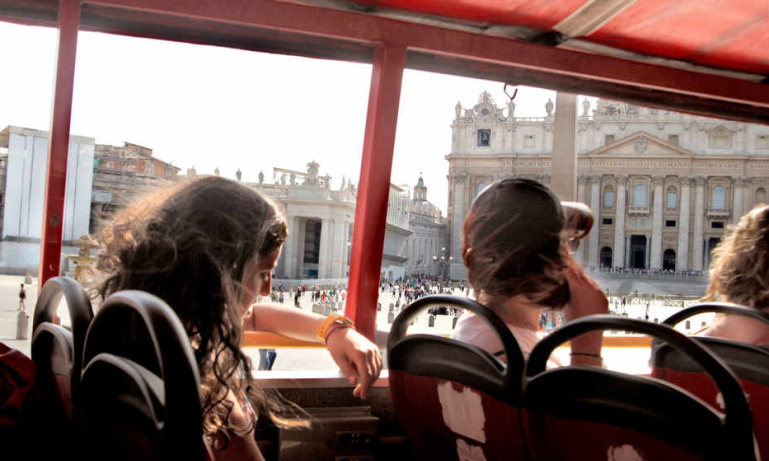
(704, 58)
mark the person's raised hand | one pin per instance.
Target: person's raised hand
(357, 357)
(586, 297)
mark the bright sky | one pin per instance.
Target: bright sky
(212, 107)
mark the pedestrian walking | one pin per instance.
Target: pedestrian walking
(22, 297)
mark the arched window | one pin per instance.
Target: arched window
(479, 188)
(639, 195)
(760, 195)
(719, 198)
(672, 198)
(608, 197)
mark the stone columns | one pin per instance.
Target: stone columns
(289, 259)
(656, 243)
(595, 205)
(336, 269)
(682, 255)
(324, 257)
(345, 247)
(618, 253)
(581, 182)
(738, 186)
(563, 167)
(699, 215)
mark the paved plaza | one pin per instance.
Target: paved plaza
(308, 359)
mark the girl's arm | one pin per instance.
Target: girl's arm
(586, 298)
(357, 357)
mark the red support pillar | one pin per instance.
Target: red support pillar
(58, 144)
(374, 187)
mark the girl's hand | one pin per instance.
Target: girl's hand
(357, 357)
(586, 297)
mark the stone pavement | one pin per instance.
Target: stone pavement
(9, 309)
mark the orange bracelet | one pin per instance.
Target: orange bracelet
(330, 321)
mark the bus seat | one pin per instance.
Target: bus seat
(140, 385)
(581, 412)
(749, 362)
(454, 400)
(57, 353)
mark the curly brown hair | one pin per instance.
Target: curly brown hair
(189, 244)
(513, 243)
(739, 271)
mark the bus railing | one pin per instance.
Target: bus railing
(268, 340)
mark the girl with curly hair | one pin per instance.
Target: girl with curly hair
(207, 247)
(739, 273)
(515, 248)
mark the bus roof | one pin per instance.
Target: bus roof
(687, 55)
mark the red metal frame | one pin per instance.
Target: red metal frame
(58, 145)
(374, 187)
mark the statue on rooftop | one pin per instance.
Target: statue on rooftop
(549, 107)
(510, 110)
(458, 110)
(216, 172)
(261, 177)
(312, 172)
(585, 108)
(239, 174)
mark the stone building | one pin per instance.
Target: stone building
(425, 248)
(120, 174)
(320, 222)
(24, 163)
(663, 185)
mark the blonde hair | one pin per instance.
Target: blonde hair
(739, 271)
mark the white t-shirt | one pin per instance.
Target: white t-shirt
(473, 330)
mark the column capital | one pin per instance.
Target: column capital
(583, 178)
(595, 178)
(699, 180)
(621, 179)
(658, 180)
(742, 182)
(458, 177)
(685, 180)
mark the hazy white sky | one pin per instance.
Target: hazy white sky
(212, 107)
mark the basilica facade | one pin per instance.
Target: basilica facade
(663, 185)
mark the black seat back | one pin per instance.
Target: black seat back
(749, 362)
(140, 383)
(57, 353)
(625, 413)
(453, 398)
